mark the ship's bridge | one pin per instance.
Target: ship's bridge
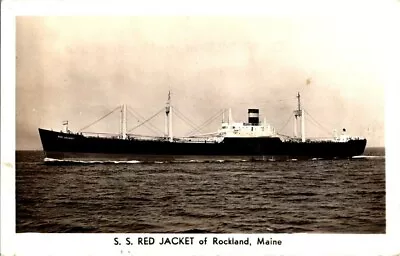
(246, 130)
(253, 128)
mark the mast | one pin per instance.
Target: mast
(168, 118)
(171, 138)
(166, 127)
(303, 127)
(298, 102)
(123, 124)
(299, 112)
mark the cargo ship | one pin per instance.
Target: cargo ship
(251, 140)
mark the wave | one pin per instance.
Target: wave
(59, 161)
(55, 161)
(368, 157)
(316, 159)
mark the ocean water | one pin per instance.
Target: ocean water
(321, 196)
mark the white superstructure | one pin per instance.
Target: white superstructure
(246, 130)
(253, 128)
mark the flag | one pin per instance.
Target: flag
(65, 122)
(308, 81)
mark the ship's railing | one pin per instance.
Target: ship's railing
(200, 139)
(178, 139)
(322, 139)
(100, 135)
(115, 135)
(132, 136)
(191, 139)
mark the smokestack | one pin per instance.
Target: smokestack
(254, 116)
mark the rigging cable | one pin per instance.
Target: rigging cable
(284, 135)
(317, 123)
(151, 127)
(87, 126)
(207, 121)
(141, 117)
(185, 119)
(283, 127)
(148, 119)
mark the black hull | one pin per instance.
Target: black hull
(71, 146)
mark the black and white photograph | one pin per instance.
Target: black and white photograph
(195, 124)
(188, 128)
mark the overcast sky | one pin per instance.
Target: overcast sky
(80, 68)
